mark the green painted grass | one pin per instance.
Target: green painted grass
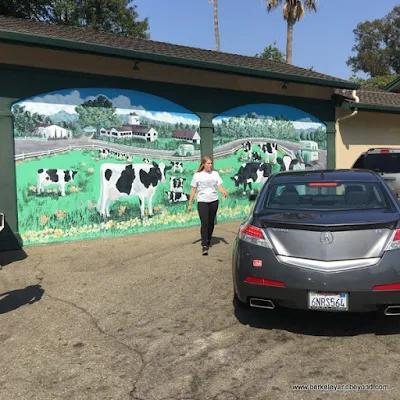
(50, 217)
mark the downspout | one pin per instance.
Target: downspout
(357, 100)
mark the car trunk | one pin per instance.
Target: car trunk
(329, 236)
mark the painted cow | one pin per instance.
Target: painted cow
(127, 181)
(59, 177)
(175, 197)
(146, 160)
(176, 184)
(270, 150)
(256, 156)
(287, 163)
(252, 172)
(104, 153)
(246, 146)
(176, 166)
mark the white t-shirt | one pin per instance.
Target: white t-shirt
(206, 184)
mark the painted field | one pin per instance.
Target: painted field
(51, 217)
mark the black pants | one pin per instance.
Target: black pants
(207, 214)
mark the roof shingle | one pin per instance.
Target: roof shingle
(373, 97)
(87, 36)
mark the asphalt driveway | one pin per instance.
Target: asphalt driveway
(147, 317)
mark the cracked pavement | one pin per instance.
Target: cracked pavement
(147, 317)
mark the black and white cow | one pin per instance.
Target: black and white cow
(252, 172)
(59, 177)
(246, 146)
(256, 156)
(146, 160)
(176, 184)
(176, 166)
(270, 150)
(175, 197)
(127, 181)
(104, 153)
(287, 163)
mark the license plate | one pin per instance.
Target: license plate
(328, 301)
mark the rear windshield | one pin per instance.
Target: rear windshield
(381, 162)
(344, 196)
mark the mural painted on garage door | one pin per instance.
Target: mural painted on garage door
(268, 138)
(64, 139)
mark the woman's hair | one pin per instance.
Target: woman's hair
(203, 163)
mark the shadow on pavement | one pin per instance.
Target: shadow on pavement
(8, 257)
(214, 241)
(20, 297)
(317, 323)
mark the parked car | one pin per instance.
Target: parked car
(336, 247)
(386, 162)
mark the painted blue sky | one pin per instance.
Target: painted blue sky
(322, 40)
(269, 110)
(125, 101)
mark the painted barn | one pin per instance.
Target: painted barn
(51, 131)
(132, 130)
(187, 134)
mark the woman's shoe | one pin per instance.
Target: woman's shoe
(205, 250)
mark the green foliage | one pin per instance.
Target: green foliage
(272, 52)
(378, 82)
(377, 44)
(25, 122)
(117, 16)
(98, 113)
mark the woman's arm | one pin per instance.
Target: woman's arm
(222, 190)
(191, 197)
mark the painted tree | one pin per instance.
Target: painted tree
(216, 24)
(293, 11)
(99, 113)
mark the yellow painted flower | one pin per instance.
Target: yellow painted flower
(44, 219)
(90, 170)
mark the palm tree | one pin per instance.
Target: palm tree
(216, 29)
(293, 11)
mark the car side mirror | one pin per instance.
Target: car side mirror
(1, 221)
(252, 197)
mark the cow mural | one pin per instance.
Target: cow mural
(133, 180)
(122, 171)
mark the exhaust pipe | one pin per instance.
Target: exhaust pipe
(392, 310)
(262, 303)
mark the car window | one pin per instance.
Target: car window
(359, 163)
(382, 162)
(332, 196)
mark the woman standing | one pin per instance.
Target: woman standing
(206, 181)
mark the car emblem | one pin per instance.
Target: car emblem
(326, 238)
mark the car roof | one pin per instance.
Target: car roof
(360, 175)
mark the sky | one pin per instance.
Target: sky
(322, 40)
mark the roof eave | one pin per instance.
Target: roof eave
(393, 85)
(45, 41)
(350, 105)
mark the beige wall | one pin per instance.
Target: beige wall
(113, 66)
(363, 131)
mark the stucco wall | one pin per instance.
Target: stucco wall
(363, 131)
(114, 66)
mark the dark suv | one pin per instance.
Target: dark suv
(384, 161)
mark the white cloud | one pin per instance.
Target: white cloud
(48, 108)
(53, 103)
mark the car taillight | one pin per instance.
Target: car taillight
(390, 286)
(384, 151)
(254, 235)
(394, 244)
